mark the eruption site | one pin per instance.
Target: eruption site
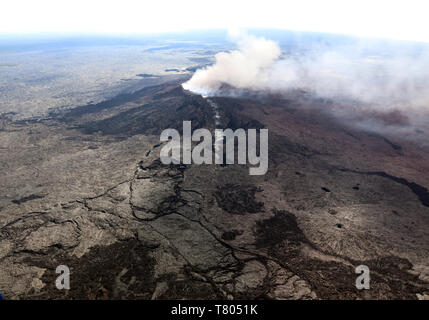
(243, 68)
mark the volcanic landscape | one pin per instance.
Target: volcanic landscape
(84, 187)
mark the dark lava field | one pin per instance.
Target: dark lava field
(85, 188)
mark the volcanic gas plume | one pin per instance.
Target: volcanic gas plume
(242, 68)
(363, 74)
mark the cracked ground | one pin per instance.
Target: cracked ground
(85, 188)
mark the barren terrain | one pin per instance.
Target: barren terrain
(84, 187)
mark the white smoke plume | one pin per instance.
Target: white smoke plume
(362, 77)
(242, 68)
(387, 78)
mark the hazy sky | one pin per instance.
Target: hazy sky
(402, 19)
